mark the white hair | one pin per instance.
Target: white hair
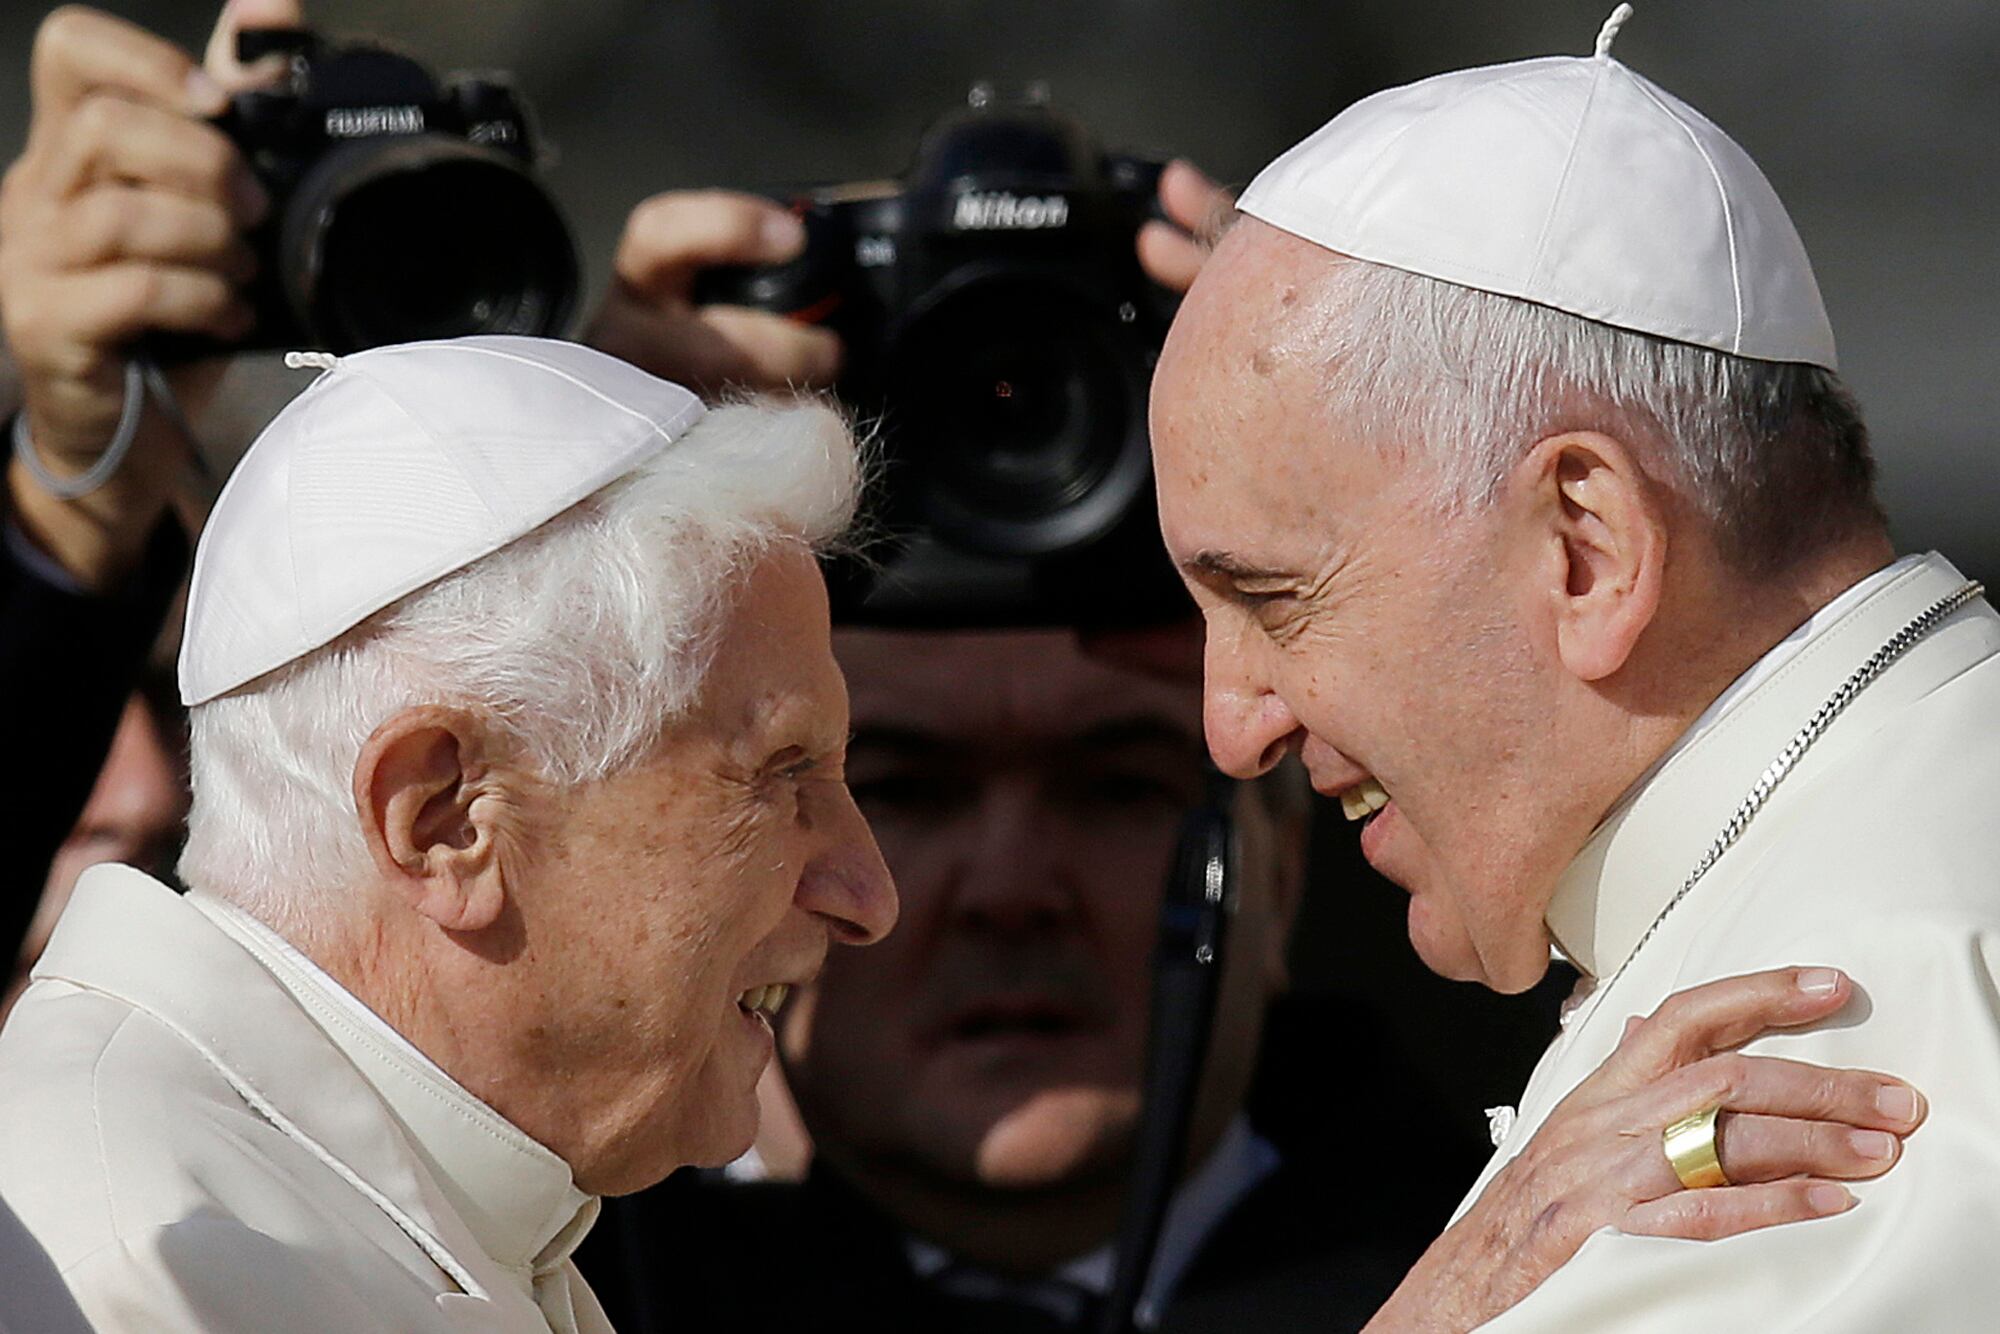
(1772, 454)
(581, 640)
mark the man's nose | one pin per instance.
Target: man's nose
(1009, 878)
(848, 884)
(1249, 728)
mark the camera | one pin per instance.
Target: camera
(1001, 334)
(403, 207)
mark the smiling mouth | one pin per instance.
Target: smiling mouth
(764, 1002)
(1363, 800)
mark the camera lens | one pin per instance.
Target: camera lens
(424, 237)
(1019, 409)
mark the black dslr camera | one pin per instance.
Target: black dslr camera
(403, 208)
(998, 326)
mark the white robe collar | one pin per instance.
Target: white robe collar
(516, 1196)
(1630, 869)
(127, 936)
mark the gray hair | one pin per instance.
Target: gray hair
(581, 640)
(1772, 454)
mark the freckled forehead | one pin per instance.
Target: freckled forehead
(774, 671)
(1241, 437)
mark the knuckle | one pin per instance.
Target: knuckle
(1716, 1079)
(211, 156)
(97, 118)
(1826, 1090)
(62, 32)
(105, 223)
(1697, 1214)
(140, 293)
(25, 315)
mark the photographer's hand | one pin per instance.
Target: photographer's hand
(123, 215)
(1198, 209)
(650, 318)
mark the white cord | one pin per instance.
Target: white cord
(71, 488)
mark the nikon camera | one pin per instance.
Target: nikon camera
(403, 208)
(999, 329)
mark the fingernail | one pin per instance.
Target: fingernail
(1896, 1102)
(1873, 1144)
(205, 96)
(1829, 1199)
(784, 234)
(1818, 981)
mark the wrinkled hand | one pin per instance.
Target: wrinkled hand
(124, 214)
(1788, 1133)
(650, 318)
(1198, 208)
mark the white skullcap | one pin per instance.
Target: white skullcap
(397, 466)
(1568, 181)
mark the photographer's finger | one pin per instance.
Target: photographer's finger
(672, 237)
(774, 352)
(1169, 257)
(79, 51)
(1196, 204)
(1707, 1215)
(111, 138)
(1717, 1016)
(1770, 1148)
(108, 223)
(220, 58)
(115, 303)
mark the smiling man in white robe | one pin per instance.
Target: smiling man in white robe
(1502, 445)
(517, 747)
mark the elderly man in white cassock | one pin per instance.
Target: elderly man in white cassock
(518, 807)
(1502, 445)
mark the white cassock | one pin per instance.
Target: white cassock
(205, 1132)
(1879, 854)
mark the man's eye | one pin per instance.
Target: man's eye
(909, 793)
(1142, 792)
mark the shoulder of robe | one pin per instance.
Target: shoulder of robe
(215, 1275)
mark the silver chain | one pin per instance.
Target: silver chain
(1900, 643)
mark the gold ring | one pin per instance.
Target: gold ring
(1690, 1146)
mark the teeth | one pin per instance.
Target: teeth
(1363, 800)
(765, 1000)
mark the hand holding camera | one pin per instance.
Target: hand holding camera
(650, 316)
(998, 323)
(125, 214)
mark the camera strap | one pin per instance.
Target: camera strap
(1187, 971)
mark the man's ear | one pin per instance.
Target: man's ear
(1599, 533)
(434, 812)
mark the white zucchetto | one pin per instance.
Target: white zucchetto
(1568, 181)
(396, 467)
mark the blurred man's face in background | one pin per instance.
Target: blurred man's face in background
(1027, 798)
(134, 816)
